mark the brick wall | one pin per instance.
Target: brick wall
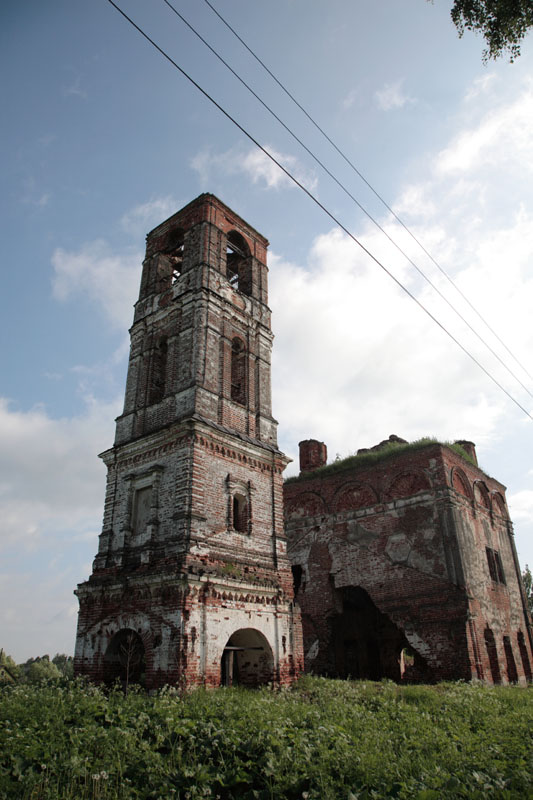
(399, 546)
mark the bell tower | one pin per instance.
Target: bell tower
(191, 583)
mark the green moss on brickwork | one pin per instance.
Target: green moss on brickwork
(387, 451)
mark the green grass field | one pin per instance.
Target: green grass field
(323, 739)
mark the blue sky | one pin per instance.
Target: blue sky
(102, 139)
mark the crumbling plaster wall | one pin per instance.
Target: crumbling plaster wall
(400, 531)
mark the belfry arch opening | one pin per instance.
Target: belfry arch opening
(174, 254)
(368, 645)
(125, 659)
(246, 659)
(238, 263)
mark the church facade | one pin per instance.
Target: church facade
(398, 563)
(406, 566)
(192, 584)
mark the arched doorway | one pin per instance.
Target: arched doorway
(125, 659)
(247, 659)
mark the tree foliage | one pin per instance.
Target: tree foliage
(502, 23)
(65, 664)
(9, 664)
(527, 580)
(40, 669)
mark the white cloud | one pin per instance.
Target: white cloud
(521, 506)
(391, 96)
(32, 193)
(480, 86)
(50, 477)
(74, 88)
(256, 165)
(109, 277)
(503, 136)
(51, 493)
(110, 280)
(141, 219)
(350, 99)
(347, 339)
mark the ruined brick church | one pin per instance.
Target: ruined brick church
(400, 566)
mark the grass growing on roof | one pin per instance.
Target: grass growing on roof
(389, 450)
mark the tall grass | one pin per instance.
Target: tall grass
(322, 740)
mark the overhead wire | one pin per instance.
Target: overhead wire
(348, 193)
(317, 202)
(369, 185)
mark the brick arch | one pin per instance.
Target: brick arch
(247, 659)
(481, 494)
(109, 629)
(461, 483)
(351, 496)
(307, 504)
(498, 505)
(407, 484)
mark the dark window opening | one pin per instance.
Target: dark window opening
(492, 653)
(238, 371)
(297, 573)
(524, 656)
(512, 674)
(240, 513)
(495, 565)
(238, 263)
(158, 372)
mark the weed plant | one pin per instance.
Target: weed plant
(371, 457)
(322, 740)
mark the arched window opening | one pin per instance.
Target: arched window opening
(407, 660)
(524, 656)
(177, 263)
(174, 253)
(170, 261)
(297, 574)
(238, 263)
(238, 371)
(158, 372)
(490, 644)
(241, 516)
(512, 674)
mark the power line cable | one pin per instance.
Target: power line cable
(374, 191)
(318, 203)
(349, 194)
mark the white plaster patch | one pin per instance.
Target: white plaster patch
(313, 651)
